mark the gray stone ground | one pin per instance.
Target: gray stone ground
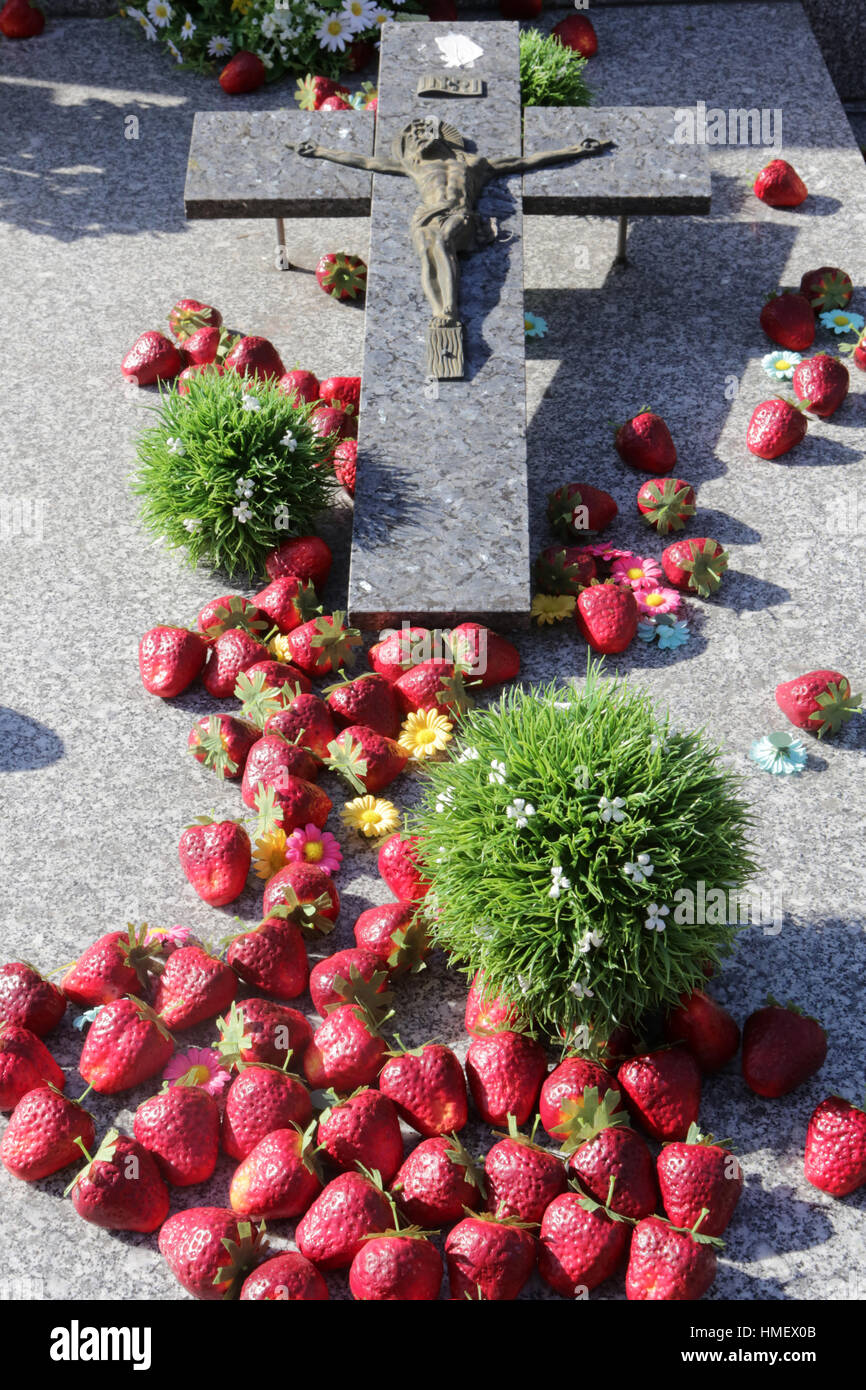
(97, 785)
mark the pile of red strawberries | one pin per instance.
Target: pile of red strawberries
(578, 1212)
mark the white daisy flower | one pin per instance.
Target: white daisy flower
(499, 772)
(381, 15)
(335, 33)
(655, 920)
(519, 811)
(149, 29)
(188, 28)
(135, 14)
(160, 12)
(611, 810)
(218, 46)
(174, 51)
(251, 403)
(175, 446)
(289, 441)
(360, 13)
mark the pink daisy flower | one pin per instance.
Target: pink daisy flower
(653, 599)
(206, 1067)
(168, 936)
(634, 570)
(607, 552)
(314, 846)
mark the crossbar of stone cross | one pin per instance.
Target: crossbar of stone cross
(441, 511)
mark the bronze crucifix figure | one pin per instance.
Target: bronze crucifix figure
(446, 224)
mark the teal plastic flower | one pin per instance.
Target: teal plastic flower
(647, 632)
(84, 1020)
(780, 365)
(840, 321)
(781, 754)
(672, 633)
(534, 326)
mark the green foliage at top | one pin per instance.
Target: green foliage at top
(230, 471)
(563, 818)
(550, 73)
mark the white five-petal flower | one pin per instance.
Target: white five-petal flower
(519, 811)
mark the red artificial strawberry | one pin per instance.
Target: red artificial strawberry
(382, 758)
(820, 701)
(360, 55)
(369, 700)
(505, 1071)
(787, 319)
(780, 186)
(255, 357)
(695, 565)
(261, 1030)
(432, 685)
(28, 999)
(346, 390)
(278, 1178)
(482, 655)
(564, 569)
(169, 659)
(428, 1088)
(306, 557)
(230, 654)
(311, 91)
(274, 677)
(340, 979)
(331, 423)
(116, 964)
(153, 357)
(121, 1188)
(563, 1101)
(835, 1146)
(605, 1150)
(666, 503)
(323, 645)
(395, 934)
(822, 383)
(607, 616)
(180, 1127)
(666, 1264)
(346, 1051)
(575, 509)
(222, 742)
(271, 957)
(193, 986)
(335, 103)
(396, 1267)
(42, 1133)
(662, 1091)
(299, 386)
(187, 316)
(522, 1178)
(709, 1032)
(229, 611)
(398, 866)
(205, 347)
(287, 1278)
(21, 20)
(581, 1243)
(307, 891)
(827, 288)
(126, 1043)
(487, 1012)
(215, 856)
(244, 72)
(488, 1259)
(438, 1182)
(260, 1100)
(342, 276)
(698, 1176)
(25, 1063)
(645, 442)
(332, 1230)
(307, 723)
(775, 428)
(209, 1251)
(288, 602)
(576, 31)
(193, 373)
(362, 1131)
(290, 771)
(345, 460)
(395, 653)
(782, 1048)
(520, 9)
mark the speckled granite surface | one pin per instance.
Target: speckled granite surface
(100, 786)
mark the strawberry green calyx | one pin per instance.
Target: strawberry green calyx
(104, 1154)
(406, 1233)
(557, 575)
(150, 1016)
(260, 700)
(212, 744)
(347, 759)
(859, 342)
(837, 705)
(461, 1157)
(697, 1137)
(269, 816)
(587, 1116)
(306, 602)
(235, 614)
(355, 989)
(344, 276)
(140, 955)
(526, 1140)
(590, 1204)
(667, 505)
(453, 692)
(243, 1255)
(831, 291)
(705, 568)
(234, 1039)
(696, 1235)
(309, 1148)
(408, 949)
(308, 916)
(335, 640)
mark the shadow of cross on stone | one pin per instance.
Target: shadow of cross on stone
(441, 516)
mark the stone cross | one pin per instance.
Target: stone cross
(441, 510)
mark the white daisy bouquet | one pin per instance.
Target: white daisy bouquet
(290, 36)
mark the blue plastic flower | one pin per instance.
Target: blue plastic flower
(673, 634)
(534, 326)
(86, 1018)
(647, 632)
(840, 321)
(781, 754)
(780, 365)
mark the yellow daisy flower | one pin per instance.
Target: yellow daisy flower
(269, 854)
(552, 608)
(279, 649)
(370, 816)
(424, 733)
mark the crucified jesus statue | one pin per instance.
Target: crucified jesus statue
(447, 223)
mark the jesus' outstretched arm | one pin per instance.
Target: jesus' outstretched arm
(525, 164)
(308, 150)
